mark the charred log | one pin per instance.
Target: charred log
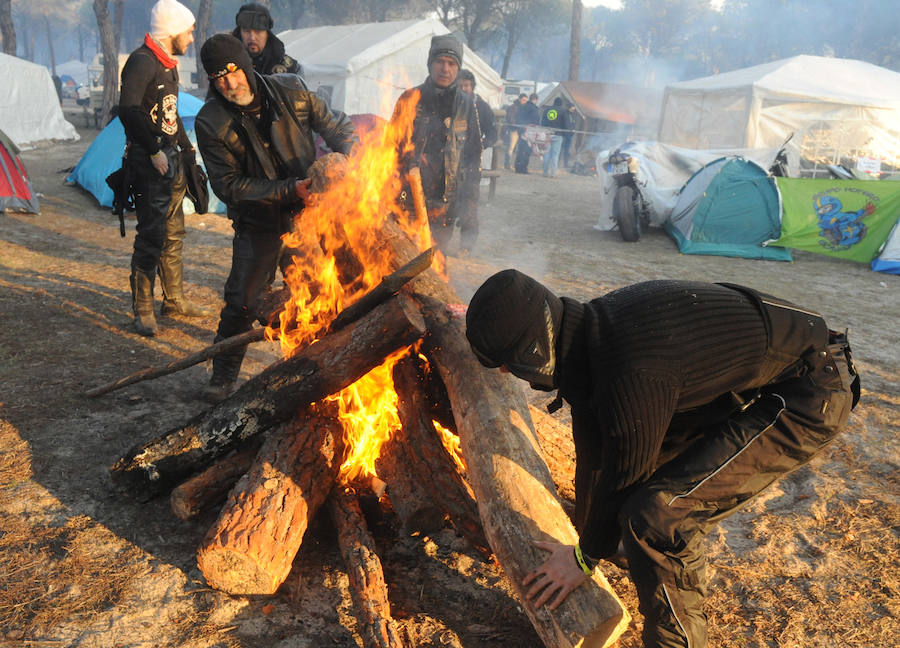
(334, 362)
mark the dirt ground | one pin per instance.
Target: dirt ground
(813, 562)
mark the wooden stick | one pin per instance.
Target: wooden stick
(367, 584)
(383, 291)
(418, 194)
(253, 335)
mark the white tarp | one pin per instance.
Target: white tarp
(662, 171)
(29, 106)
(78, 70)
(364, 68)
(837, 109)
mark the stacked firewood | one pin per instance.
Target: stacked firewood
(273, 449)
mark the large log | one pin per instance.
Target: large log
(367, 585)
(515, 493)
(558, 450)
(252, 545)
(406, 493)
(429, 461)
(325, 367)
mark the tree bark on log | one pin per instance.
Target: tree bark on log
(515, 493)
(252, 545)
(429, 461)
(407, 494)
(367, 583)
(211, 486)
(558, 450)
(332, 363)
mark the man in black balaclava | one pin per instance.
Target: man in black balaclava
(687, 400)
(255, 134)
(254, 28)
(446, 139)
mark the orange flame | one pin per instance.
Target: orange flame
(452, 445)
(340, 258)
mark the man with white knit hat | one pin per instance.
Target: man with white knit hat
(148, 108)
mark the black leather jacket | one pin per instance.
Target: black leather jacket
(446, 141)
(257, 179)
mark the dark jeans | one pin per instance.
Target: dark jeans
(158, 207)
(523, 156)
(665, 521)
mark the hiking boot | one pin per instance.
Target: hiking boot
(216, 391)
(226, 367)
(142, 302)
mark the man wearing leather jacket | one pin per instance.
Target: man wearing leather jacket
(687, 400)
(148, 109)
(255, 133)
(446, 139)
(254, 28)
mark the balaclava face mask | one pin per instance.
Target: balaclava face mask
(513, 321)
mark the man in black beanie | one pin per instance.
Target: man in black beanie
(687, 400)
(253, 26)
(445, 139)
(255, 134)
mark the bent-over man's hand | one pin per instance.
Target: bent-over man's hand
(556, 578)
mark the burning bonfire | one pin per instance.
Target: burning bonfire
(377, 390)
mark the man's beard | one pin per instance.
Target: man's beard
(240, 96)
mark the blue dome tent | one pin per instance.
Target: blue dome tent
(104, 156)
(730, 207)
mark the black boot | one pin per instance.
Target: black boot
(142, 302)
(171, 277)
(226, 368)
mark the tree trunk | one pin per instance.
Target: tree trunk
(575, 42)
(7, 28)
(334, 362)
(204, 14)
(118, 12)
(367, 584)
(50, 45)
(251, 547)
(210, 487)
(515, 493)
(110, 59)
(430, 464)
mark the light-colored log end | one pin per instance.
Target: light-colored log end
(235, 572)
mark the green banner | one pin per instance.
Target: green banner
(849, 219)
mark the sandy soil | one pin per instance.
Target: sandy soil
(814, 562)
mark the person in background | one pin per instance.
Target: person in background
(468, 212)
(513, 131)
(255, 133)
(527, 114)
(148, 109)
(567, 135)
(253, 26)
(688, 399)
(556, 119)
(445, 142)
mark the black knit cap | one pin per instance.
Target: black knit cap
(222, 54)
(466, 75)
(445, 45)
(513, 320)
(254, 16)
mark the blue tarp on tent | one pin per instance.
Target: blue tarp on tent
(104, 156)
(730, 207)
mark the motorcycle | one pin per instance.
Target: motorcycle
(630, 211)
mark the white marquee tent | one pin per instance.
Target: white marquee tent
(29, 105)
(364, 68)
(837, 109)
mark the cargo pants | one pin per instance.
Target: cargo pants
(664, 522)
